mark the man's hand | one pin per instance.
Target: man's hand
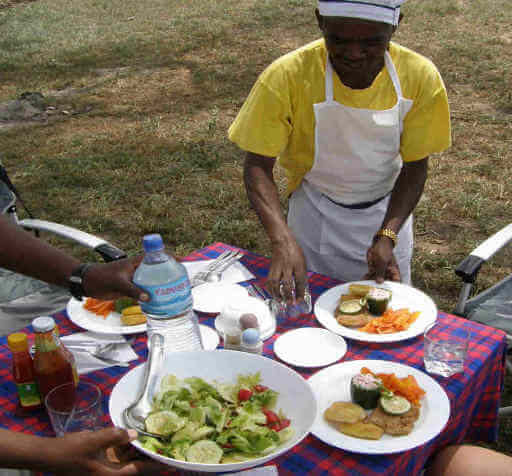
(382, 264)
(287, 271)
(114, 280)
(101, 453)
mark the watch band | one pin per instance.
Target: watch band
(76, 281)
(388, 233)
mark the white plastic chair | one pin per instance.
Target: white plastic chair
(493, 306)
(22, 298)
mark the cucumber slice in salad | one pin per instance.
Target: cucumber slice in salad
(204, 451)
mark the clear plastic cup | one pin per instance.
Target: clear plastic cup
(444, 353)
(73, 409)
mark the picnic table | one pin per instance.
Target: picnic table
(474, 395)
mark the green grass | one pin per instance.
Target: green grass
(151, 88)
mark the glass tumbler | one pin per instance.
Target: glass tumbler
(73, 409)
(444, 352)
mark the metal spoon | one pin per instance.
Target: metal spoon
(136, 414)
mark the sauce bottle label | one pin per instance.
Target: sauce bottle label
(168, 299)
(28, 394)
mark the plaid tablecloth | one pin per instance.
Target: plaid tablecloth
(474, 396)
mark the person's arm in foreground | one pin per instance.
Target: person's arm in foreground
(404, 198)
(288, 263)
(84, 453)
(467, 460)
(24, 253)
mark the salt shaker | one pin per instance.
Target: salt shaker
(229, 325)
(251, 341)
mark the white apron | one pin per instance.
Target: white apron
(357, 160)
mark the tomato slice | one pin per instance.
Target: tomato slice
(244, 394)
(260, 388)
(284, 423)
(271, 417)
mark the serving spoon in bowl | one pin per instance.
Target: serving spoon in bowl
(135, 415)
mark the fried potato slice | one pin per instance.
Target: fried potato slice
(344, 412)
(361, 429)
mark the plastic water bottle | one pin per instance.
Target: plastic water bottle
(169, 310)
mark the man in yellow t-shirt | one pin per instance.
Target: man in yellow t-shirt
(352, 118)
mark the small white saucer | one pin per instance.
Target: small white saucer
(310, 347)
(211, 297)
(209, 337)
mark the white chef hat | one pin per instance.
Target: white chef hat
(385, 11)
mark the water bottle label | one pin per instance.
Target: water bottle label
(168, 299)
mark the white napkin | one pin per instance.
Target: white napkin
(235, 273)
(86, 362)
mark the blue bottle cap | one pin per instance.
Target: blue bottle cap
(251, 336)
(152, 242)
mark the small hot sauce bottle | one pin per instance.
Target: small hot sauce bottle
(23, 372)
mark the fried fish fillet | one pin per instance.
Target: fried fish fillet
(354, 320)
(394, 424)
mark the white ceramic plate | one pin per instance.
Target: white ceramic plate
(112, 324)
(296, 397)
(310, 347)
(333, 384)
(402, 296)
(92, 322)
(253, 305)
(211, 297)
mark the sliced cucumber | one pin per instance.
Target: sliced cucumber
(165, 422)
(350, 307)
(204, 451)
(395, 405)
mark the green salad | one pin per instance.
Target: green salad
(215, 422)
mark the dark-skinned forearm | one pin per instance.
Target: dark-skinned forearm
(264, 196)
(24, 253)
(18, 450)
(406, 194)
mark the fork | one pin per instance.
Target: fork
(200, 277)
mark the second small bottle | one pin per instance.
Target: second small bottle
(53, 363)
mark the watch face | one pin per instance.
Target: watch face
(75, 279)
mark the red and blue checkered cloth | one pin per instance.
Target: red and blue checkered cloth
(474, 395)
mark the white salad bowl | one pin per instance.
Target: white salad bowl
(296, 398)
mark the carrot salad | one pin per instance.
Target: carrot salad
(99, 307)
(407, 387)
(391, 321)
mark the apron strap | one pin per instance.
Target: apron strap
(329, 97)
(393, 75)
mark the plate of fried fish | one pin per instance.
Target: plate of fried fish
(377, 406)
(371, 312)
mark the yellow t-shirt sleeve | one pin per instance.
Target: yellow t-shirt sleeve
(264, 123)
(427, 127)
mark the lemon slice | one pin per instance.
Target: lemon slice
(350, 307)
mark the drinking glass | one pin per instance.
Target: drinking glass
(283, 310)
(73, 409)
(444, 353)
